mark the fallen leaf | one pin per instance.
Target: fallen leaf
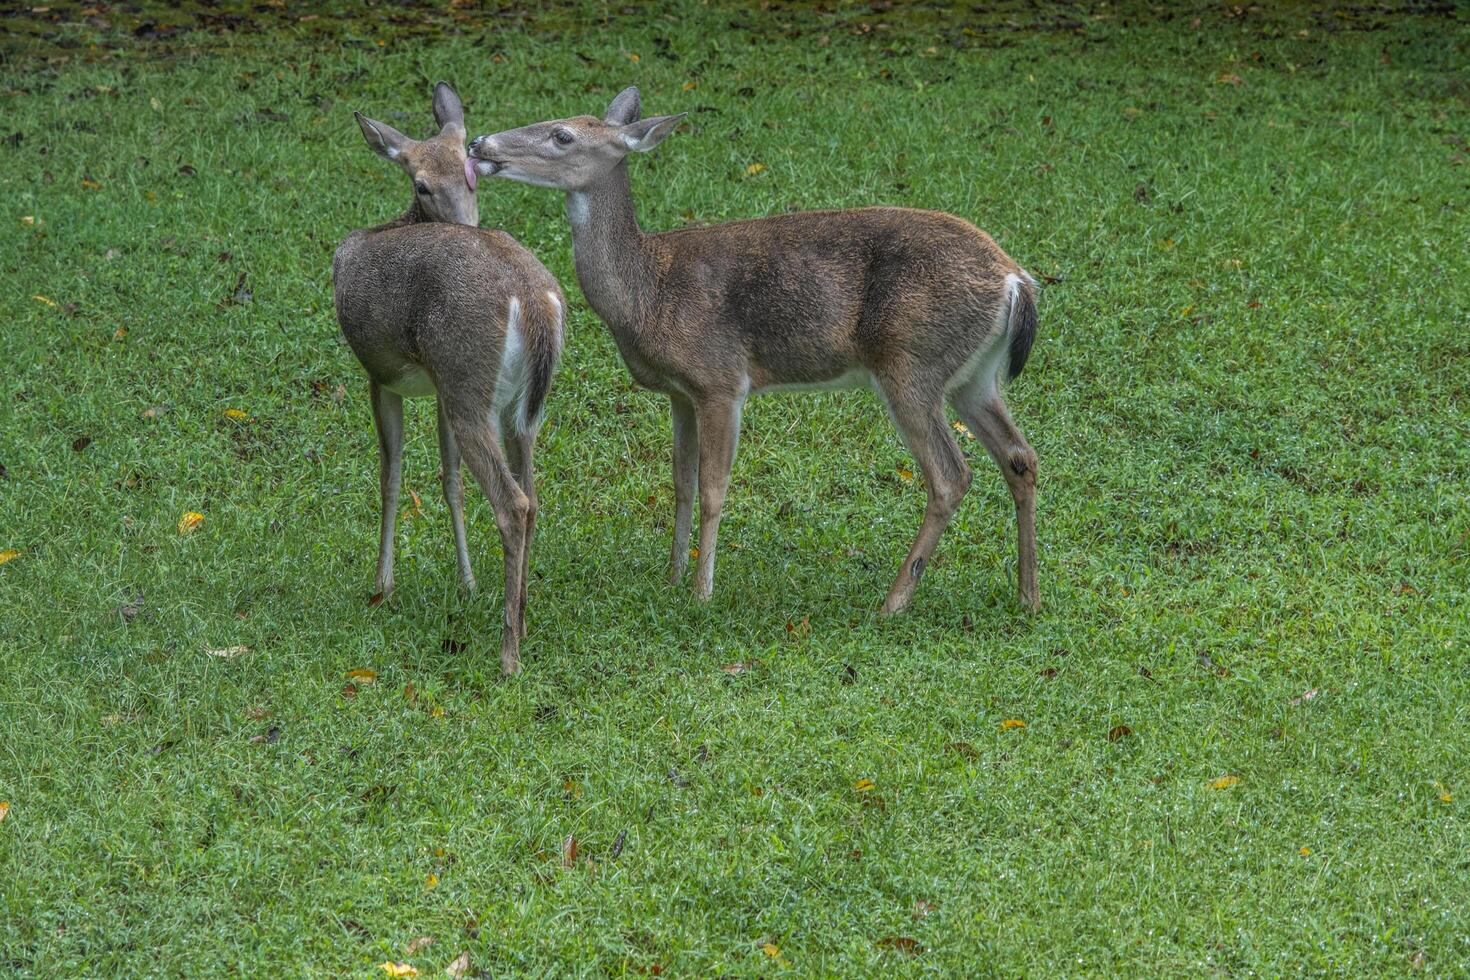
(4, 810)
(362, 675)
(1228, 78)
(129, 610)
(617, 847)
(431, 882)
(1305, 851)
(422, 942)
(1445, 796)
(922, 908)
(754, 169)
(235, 413)
(119, 333)
(906, 945)
(190, 521)
(397, 969)
(9, 554)
(771, 950)
(268, 737)
(569, 851)
(1119, 731)
(735, 668)
(963, 429)
(349, 691)
(904, 473)
(227, 652)
(690, 86)
(90, 184)
(459, 967)
(1417, 960)
(1309, 695)
(1224, 782)
(1010, 723)
(80, 443)
(863, 785)
(28, 220)
(258, 713)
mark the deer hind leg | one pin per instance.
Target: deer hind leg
(983, 409)
(388, 420)
(474, 430)
(520, 449)
(453, 485)
(718, 421)
(922, 424)
(686, 482)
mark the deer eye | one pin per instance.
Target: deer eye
(562, 136)
(420, 187)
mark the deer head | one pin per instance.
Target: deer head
(443, 178)
(572, 154)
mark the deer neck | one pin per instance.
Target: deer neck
(612, 255)
(412, 216)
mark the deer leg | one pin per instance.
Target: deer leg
(686, 482)
(520, 449)
(719, 432)
(946, 478)
(388, 420)
(454, 496)
(988, 418)
(474, 431)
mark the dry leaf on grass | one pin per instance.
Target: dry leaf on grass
(1119, 731)
(190, 521)
(417, 944)
(864, 785)
(459, 967)
(1010, 723)
(362, 675)
(9, 554)
(569, 851)
(1304, 698)
(228, 652)
(1224, 782)
(4, 810)
(754, 169)
(397, 969)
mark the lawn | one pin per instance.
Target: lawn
(1235, 739)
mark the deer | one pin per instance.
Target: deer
(920, 305)
(434, 306)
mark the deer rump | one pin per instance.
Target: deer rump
(826, 299)
(412, 300)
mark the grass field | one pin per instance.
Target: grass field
(1250, 395)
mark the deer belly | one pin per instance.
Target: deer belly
(852, 378)
(414, 382)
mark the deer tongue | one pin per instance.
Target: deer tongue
(470, 177)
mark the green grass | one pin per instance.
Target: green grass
(1249, 395)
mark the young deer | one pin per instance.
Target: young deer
(921, 305)
(432, 305)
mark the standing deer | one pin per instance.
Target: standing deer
(434, 306)
(921, 305)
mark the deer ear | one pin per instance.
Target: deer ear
(625, 108)
(448, 110)
(645, 134)
(386, 141)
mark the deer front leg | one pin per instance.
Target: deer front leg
(719, 433)
(388, 420)
(686, 482)
(454, 497)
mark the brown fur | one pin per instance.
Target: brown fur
(425, 303)
(923, 305)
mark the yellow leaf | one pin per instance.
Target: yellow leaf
(1445, 795)
(4, 810)
(431, 882)
(1010, 723)
(119, 333)
(963, 430)
(904, 473)
(436, 712)
(9, 554)
(44, 299)
(634, 58)
(690, 86)
(362, 675)
(754, 169)
(863, 785)
(190, 521)
(397, 969)
(91, 184)
(771, 950)
(1224, 782)
(693, 552)
(28, 219)
(235, 413)
(1305, 851)
(459, 967)
(1186, 311)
